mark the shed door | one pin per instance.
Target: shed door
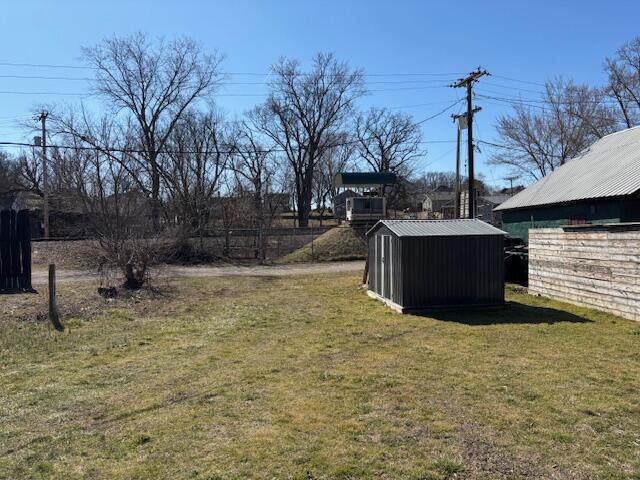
(385, 266)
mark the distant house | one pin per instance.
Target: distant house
(486, 208)
(278, 202)
(440, 203)
(601, 185)
(17, 200)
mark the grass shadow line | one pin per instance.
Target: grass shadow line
(511, 313)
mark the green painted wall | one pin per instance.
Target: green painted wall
(518, 222)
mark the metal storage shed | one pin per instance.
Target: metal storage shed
(426, 264)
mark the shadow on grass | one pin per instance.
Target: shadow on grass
(511, 313)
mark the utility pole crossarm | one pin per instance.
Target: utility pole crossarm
(471, 78)
(467, 83)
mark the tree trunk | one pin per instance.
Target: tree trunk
(155, 195)
(134, 276)
(303, 209)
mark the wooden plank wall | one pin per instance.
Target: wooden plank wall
(15, 251)
(598, 269)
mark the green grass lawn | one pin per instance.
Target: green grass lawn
(307, 377)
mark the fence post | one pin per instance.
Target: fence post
(54, 315)
(312, 254)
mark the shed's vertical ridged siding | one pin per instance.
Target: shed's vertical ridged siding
(440, 270)
(453, 270)
(599, 269)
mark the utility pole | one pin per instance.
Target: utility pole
(511, 179)
(468, 82)
(461, 123)
(45, 174)
(456, 200)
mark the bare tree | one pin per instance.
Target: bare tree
(624, 81)
(105, 188)
(29, 170)
(303, 113)
(255, 167)
(387, 141)
(334, 160)
(196, 158)
(429, 181)
(152, 85)
(9, 173)
(538, 138)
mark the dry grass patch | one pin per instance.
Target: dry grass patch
(306, 377)
(338, 244)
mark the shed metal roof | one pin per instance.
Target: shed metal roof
(608, 168)
(437, 228)
(364, 179)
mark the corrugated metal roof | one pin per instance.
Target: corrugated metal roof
(608, 168)
(495, 199)
(437, 228)
(364, 179)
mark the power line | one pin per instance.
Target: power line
(440, 113)
(73, 94)
(178, 152)
(516, 149)
(510, 79)
(416, 105)
(520, 89)
(543, 101)
(260, 74)
(86, 67)
(44, 65)
(88, 94)
(91, 79)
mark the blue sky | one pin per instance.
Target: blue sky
(530, 41)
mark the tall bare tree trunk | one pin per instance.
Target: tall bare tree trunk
(155, 196)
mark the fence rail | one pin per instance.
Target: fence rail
(240, 243)
(15, 251)
(217, 233)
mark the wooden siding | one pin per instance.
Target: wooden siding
(453, 270)
(15, 251)
(598, 269)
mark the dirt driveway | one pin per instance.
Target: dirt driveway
(168, 271)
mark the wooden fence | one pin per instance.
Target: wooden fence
(15, 251)
(594, 266)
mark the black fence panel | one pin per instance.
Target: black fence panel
(15, 251)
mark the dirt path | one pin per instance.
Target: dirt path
(167, 271)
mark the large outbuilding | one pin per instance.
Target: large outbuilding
(601, 185)
(419, 265)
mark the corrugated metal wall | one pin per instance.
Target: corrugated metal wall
(391, 275)
(453, 270)
(518, 222)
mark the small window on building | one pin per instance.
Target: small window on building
(592, 209)
(367, 204)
